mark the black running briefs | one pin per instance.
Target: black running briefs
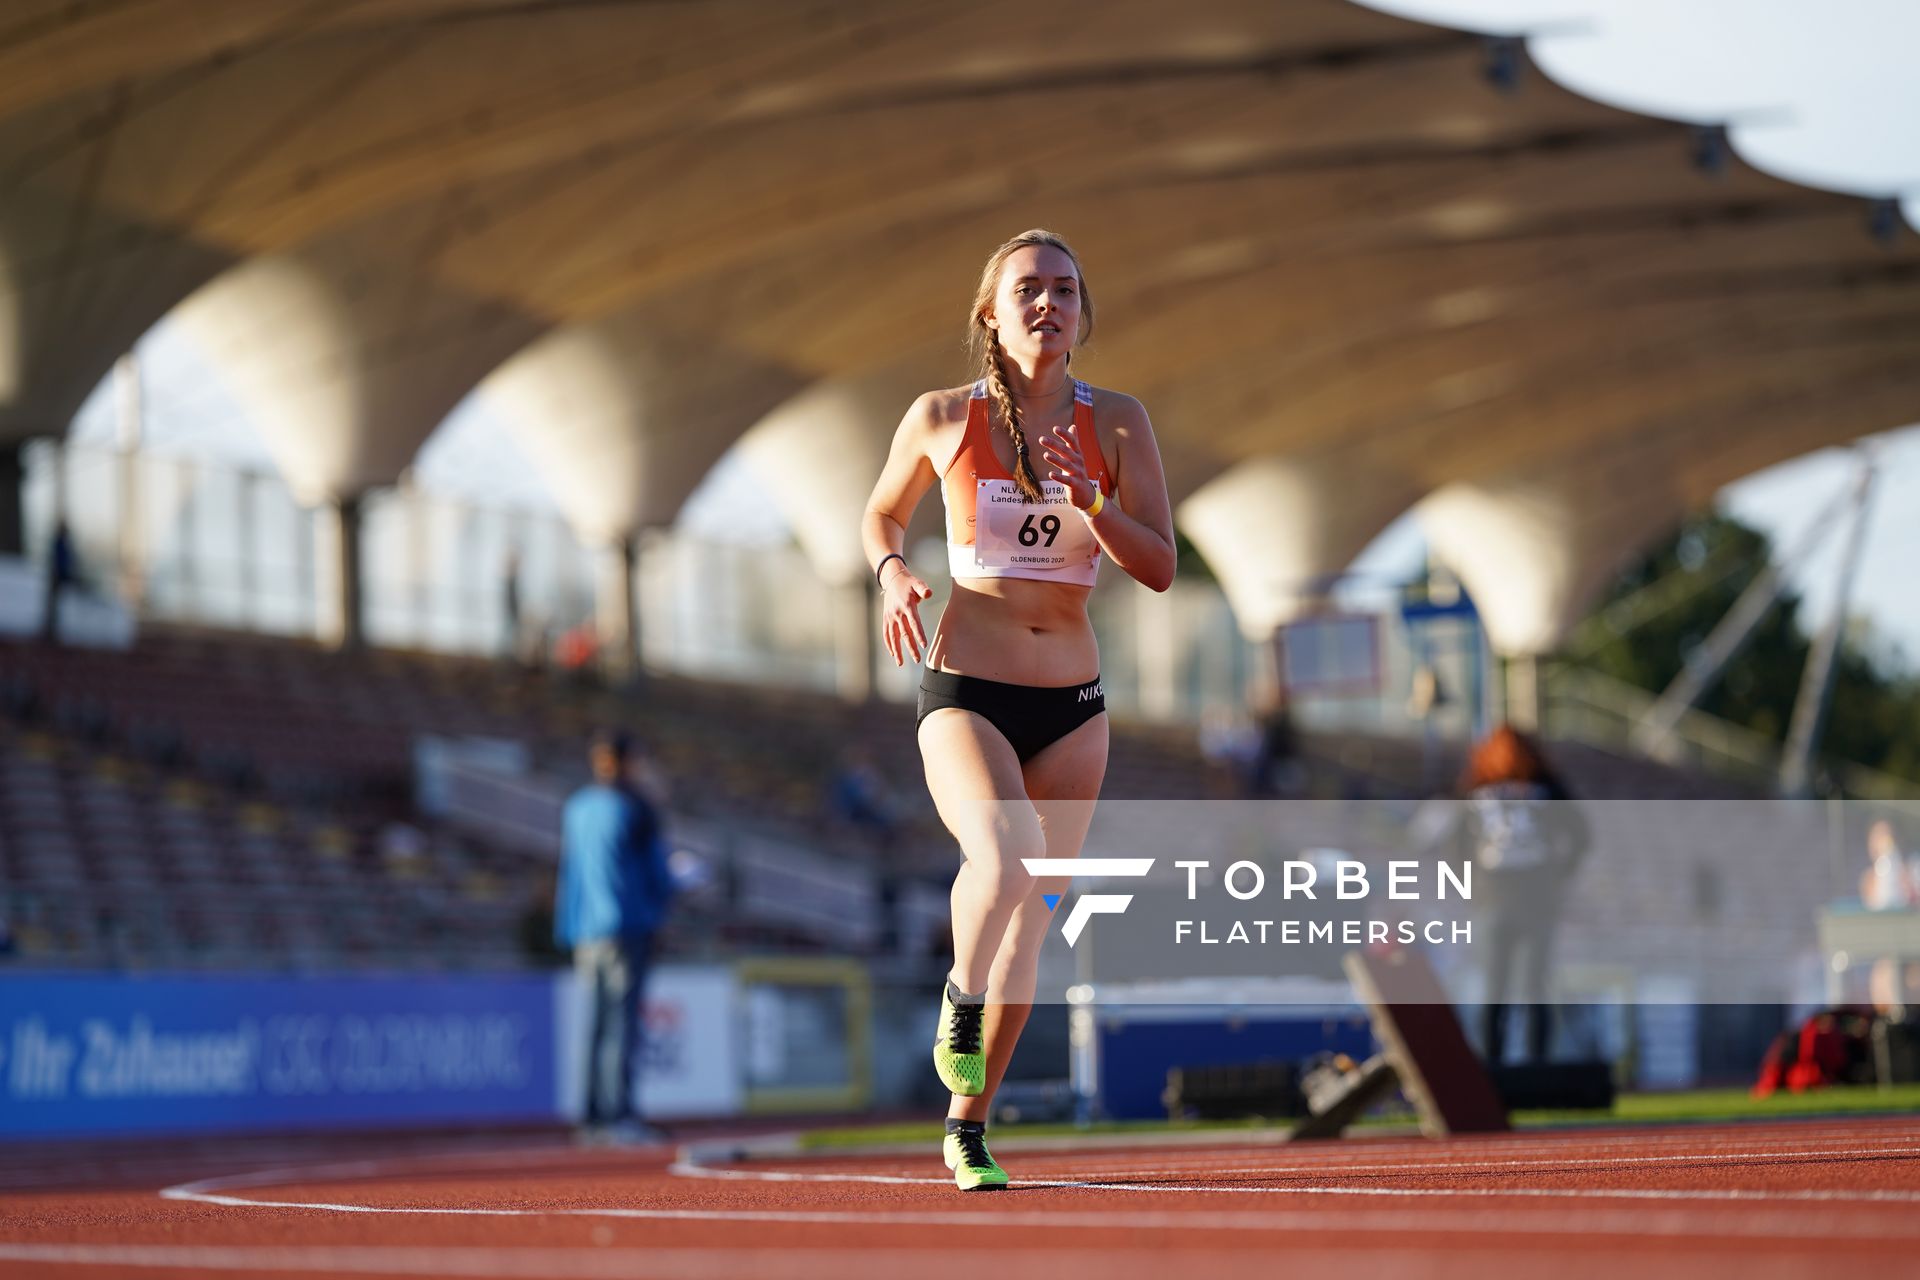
(1030, 717)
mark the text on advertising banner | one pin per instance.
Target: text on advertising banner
(113, 1055)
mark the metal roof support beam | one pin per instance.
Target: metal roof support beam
(1654, 733)
(1816, 680)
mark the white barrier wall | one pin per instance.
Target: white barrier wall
(693, 1045)
(691, 1052)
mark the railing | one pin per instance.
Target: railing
(1587, 706)
(217, 544)
(773, 877)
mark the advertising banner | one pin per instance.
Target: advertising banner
(118, 1055)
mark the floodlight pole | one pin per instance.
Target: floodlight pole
(1816, 679)
(1654, 734)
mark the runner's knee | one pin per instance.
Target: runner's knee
(1001, 859)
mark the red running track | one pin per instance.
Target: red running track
(1818, 1197)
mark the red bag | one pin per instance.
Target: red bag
(1834, 1046)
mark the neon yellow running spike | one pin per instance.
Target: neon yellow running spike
(974, 1168)
(957, 1054)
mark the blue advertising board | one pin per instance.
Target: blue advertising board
(115, 1055)
(1138, 1046)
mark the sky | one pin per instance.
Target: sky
(1816, 91)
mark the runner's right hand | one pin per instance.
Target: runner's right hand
(900, 599)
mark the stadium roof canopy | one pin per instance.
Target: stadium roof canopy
(1349, 261)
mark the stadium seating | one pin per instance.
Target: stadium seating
(105, 861)
(212, 798)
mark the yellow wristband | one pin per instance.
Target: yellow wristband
(1099, 501)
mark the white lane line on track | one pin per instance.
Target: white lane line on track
(1689, 1224)
(509, 1160)
(583, 1262)
(1644, 1219)
(1757, 1261)
(1542, 1193)
(1653, 1220)
(602, 1262)
(1364, 1148)
(1333, 1161)
(1421, 1166)
(1204, 1160)
(1207, 1146)
(1668, 1134)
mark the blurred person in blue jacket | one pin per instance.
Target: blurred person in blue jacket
(612, 898)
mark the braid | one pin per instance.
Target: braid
(989, 365)
(1024, 478)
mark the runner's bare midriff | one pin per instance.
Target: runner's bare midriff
(1016, 630)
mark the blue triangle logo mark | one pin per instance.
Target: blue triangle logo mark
(1051, 899)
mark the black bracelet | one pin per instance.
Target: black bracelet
(883, 564)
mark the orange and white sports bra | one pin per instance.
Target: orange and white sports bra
(993, 532)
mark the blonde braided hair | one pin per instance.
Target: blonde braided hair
(989, 360)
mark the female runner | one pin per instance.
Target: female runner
(1041, 475)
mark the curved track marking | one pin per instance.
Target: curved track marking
(1355, 1150)
(1554, 1163)
(1671, 1223)
(596, 1262)
(600, 1262)
(1662, 1213)
(1543, 1193)
(1562, 1163)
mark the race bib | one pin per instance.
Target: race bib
(1010, 532)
